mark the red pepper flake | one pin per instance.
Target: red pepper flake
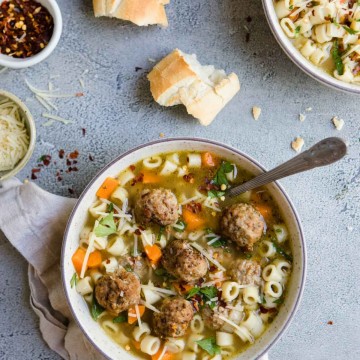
(83, 131)
(59, 178)
(137, 179)
(33, 176)
(194, 207)
(46, 160)
(138, 232)
(35, 170)
(75, 162)
(68, 162)
(75, 168)
(132, 167)
(190, 178)
(74, 155)
(79, 94)
(108, 261)
(330, 322)
(61, 153)
(71, 191)
(91, 158)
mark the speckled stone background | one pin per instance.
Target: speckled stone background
(118, 113)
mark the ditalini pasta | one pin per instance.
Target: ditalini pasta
(327, 32)
(167, 274)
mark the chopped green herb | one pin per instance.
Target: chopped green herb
(110, 208)
(280, 300)
(106, 226)
(336, 55)
(282, 252)
(194, 291)
(161, 231)
(248, 255)
(96, 309)
(315, 3)
(220, 176)
(278, 230)
(212, 305)
(210, 231)
(215, 194)
(209, 292)
(209, 345)
(262, 299)
(350, 31)
(180, 226)
(334, 21)
(160, 272)
(291, 7)
(120, 319)
(74, 280)
(218, 243)
(128, 268)
(42, 158)
(297, 31)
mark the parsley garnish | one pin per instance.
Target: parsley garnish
(215, 194)
(180, 226)
(337, 58)
(220, 176)
(161, 231)
(282, 252)
(110, 208)
(349, 30)
(106, 226)
(208, 292)
(120, 319)
(128, 268)
(74, 280)
(297, 31)
(291, 7)
(96, 309)
(209, 345)
(280, 300)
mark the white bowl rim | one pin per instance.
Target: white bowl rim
(32, 135)
(298, 59)
(15, 63)
(300, 290)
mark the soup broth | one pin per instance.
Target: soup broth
(168, 274)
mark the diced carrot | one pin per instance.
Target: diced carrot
(193, 221)
(182, 288)
(154, 253)
(132, 318)
(107, 188)
(166, 356)
(265, 210)
(150, 178)
(136, 344)
(78, 259)
(95, 259)
(208, 159)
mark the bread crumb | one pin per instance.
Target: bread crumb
(151, 60)
(308, 109)
(350, 228)
(162, 135)
(256, 112)
(223, 187)
(297, 144)
(302, 117)
(330, 322)
(127, 347)
(213, 213)
(338, 123)
(222, 198)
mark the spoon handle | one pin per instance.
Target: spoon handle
(323, 153)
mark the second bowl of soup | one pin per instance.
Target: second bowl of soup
(154, 268)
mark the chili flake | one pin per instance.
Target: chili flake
(26, 28)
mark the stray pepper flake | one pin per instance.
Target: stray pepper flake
(26, 28)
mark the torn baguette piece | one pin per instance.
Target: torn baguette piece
(140, 12)
(180, 79)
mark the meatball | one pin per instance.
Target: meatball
(174, 317)
(157, 205)
(211, 317)
(246, 272)
(243, 224)
(181, 260)
(118, 291)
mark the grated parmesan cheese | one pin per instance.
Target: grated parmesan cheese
(208, 256)
(14, 138)
(338, 123)
(297, 144)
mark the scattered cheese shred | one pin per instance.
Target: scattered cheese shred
(297, 144)
(302, 117)
(14, 138)
(149, 306)
(57, 118)
(256, 112)
(160, 290)
(87, 254)
(3, 70)
(208, 256)
(338, 123)
(138, 316)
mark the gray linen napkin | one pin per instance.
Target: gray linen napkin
(42, 218)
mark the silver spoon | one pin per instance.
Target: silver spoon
(325, 152)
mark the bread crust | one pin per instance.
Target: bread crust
(173, 81)
(140, 12)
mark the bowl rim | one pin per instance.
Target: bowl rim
(298, 59)
(300, 290)
(32, 135)
(15, 63)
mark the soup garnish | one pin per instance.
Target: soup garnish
(170, 276)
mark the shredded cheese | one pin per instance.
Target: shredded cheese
(160, 290)
(138, 316)
(208, 256)
(87, 254)
(149, 306)
(14, 138)
(3, 70)
(57, 118)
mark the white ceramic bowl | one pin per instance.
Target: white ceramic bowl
(14, 63)
(294, 54)
(30, 126)
(79, 308)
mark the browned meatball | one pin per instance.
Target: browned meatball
(246, 272)
(243, 224)
(157, 205)
(118, 291)
(174, 317)
(211, 317)
(181, 260)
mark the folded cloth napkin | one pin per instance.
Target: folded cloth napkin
(42, 218)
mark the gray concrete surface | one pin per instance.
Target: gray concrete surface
(118, 114)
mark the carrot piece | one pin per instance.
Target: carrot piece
(154, 253)
(265, 210)
(167, 355)
(208, 159)
(107, 188)
(193, 221)
(136, 344)
(78, 259)
(132, 318)
(182, 288)
(150, 178)
(95, 259)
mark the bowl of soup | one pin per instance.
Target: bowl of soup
(321, 37)
(155, 267)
